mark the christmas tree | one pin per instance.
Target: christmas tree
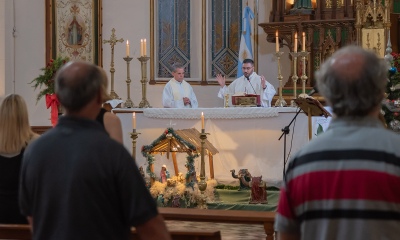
(391, 105)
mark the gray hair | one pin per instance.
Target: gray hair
(353, 81)
(177, 65)
(77, 83)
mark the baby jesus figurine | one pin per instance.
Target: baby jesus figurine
(164, 174)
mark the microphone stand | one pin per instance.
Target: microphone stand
(248, 79)
(286, 129)
(285, 132)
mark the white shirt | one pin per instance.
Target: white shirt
(252, 86)
(175, 91)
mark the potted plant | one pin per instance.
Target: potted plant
(45, 82)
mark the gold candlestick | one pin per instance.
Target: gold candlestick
(202, 184)
(134, 136)
(128, 103)
(294, 78)
(144, 103)
(280, 102)
(303, 77)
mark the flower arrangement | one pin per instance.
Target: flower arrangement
(46, 79)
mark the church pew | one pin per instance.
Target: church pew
(222, 216)
(22, 232)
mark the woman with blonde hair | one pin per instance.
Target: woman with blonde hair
(15, 135)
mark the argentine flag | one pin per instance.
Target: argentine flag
(245, 50)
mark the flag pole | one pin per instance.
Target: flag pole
(255, 51)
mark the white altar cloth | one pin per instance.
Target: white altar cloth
(213, 113)
(250, 142)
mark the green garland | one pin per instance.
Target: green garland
(46, 79)
(146, 152)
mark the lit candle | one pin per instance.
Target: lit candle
(295, 42)
(141, 47)
(277, 41)
(134, 120)
(127, 48)
(202, 120)
(304, 42)
(144, 48)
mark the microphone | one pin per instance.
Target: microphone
(248, 79)
(313, 91)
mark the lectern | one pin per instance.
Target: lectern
(311, 107)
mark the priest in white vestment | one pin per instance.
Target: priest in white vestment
(249, 83)
(177, 92)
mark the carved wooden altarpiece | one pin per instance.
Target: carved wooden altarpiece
(329, 25)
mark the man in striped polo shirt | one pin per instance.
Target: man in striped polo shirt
(345, 184)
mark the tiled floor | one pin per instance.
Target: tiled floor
(228, 231)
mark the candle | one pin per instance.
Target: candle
(144, 48)
(141, 47)
(304, 42)
(134, 120)
(202, 120)
(295, 42)
(127, 48)
(277, 41)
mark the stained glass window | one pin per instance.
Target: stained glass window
(174, 36)
(179, 29)
(225, 36)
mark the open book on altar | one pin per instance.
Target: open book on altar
(246, 100)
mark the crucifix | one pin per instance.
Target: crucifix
(113, 41)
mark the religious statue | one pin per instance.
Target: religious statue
(74, 32)
(244, 177)
(164, 174)
(258, 191)
(176, 201)
(141, 171)
(190, 176)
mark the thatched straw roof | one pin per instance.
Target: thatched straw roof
(184, 140)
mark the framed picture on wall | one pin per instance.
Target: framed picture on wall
(73, 30)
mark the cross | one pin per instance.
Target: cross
(113, 40)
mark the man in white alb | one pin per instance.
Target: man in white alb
(249, 83)
(177, 92)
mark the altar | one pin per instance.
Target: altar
(245, 137)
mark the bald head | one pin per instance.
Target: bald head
(353, 81)
(78, 83)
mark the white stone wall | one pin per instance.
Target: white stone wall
(22, 57)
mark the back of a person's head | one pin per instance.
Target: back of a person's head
(104, 95)
(77, 83)
(15, 130)
(353, 81)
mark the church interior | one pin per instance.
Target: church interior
(137, 42)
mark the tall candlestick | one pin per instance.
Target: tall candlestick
(202, 120)
(127, 48)
(141, 47)
(144, 48)
(295, 42)
(134, 120)
(304, 42)
(277, 41)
